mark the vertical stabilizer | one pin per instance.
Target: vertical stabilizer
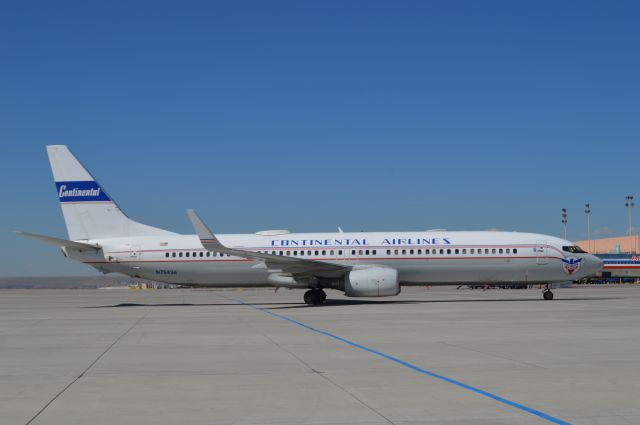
(89, 212)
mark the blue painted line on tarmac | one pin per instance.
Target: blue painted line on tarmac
(413, 367)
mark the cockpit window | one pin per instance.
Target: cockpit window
(574, 249)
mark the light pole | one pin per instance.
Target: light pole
(564, 221)
(587, 211)
(629, 204)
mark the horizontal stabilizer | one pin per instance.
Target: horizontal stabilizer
(58, 241)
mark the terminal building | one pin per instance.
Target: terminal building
(621, 256)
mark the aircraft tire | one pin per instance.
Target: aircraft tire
(308, 297)
(323, 295)
(314, 296)
(547, 295)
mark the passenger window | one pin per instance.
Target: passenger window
(360, 252)
(367, 252)
(173, 254)
(340, 252)
(388, 252)
(493, 251)
(500, 251)
(448, 251)
(202, 254)
(374, 252)
(195, 254)
(486, 250)
(442, 251)
(515, 250)
(395, 252)
(411, 252)
(324, 252)
(353, 252)
(472, 251)
(187, 254)
(404, 252)
(508, 251)
(419, 252)
(279, 252)
(457, 251)
(180, 255)
(317, 253)
(433, 252)
(288, 253)
(464, 251)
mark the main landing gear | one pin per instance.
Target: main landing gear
(547, 294)
(315, 296)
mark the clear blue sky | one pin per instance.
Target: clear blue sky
(311, 114)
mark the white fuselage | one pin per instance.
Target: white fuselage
(419, 257)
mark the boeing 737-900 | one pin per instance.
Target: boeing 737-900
(363, 264)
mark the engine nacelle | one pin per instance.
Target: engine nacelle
(372, 282)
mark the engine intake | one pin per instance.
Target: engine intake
(372, 282)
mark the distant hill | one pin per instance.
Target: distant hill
(67, 282)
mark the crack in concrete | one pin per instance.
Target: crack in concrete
(88, 367)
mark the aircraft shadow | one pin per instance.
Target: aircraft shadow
(330, 303)
(230, 304)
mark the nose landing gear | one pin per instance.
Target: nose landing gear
(315, 296)
(547, 294)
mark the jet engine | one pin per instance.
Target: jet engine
(372, 282)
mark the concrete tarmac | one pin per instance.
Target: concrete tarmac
(202, 357)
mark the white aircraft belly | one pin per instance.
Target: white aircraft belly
(210, 273)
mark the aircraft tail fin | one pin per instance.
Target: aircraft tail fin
(89, 212)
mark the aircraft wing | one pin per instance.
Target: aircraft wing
(279, 263)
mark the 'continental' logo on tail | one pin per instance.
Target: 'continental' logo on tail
(88, 191)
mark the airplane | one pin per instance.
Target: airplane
(360, 264)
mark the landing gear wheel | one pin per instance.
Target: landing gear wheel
(323, 295)
(547, 295)
(307, 297)
(314, 296)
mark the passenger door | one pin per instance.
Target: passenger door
(541, 252)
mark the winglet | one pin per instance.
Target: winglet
(279, 262)
(207, 238)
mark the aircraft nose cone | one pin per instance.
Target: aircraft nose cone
(595, 263)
